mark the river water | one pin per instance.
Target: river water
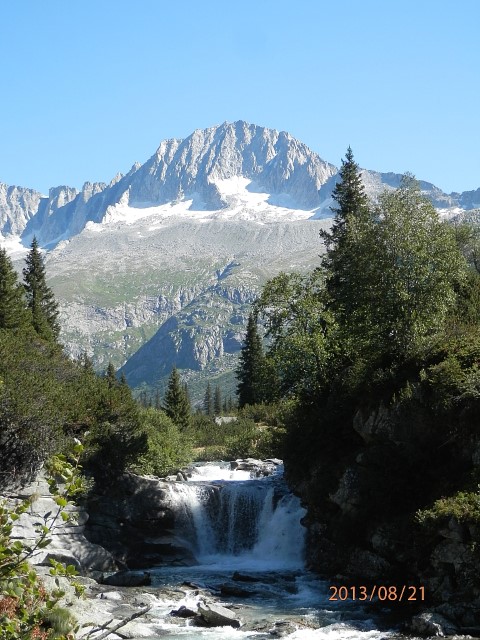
(249, 543)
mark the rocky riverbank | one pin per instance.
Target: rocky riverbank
(151, 612)
(136, 520)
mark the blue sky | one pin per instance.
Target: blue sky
(90, 87)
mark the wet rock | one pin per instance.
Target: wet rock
(236, 591)
(183, 612)
(109, 595)
(128, 579)
(244, 577)
(214, 615)
(429, 623)
(260, 468)
(283, 628)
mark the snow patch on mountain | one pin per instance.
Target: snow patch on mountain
(14, 247)
(244, 200)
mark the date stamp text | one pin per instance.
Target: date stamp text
(381, 593)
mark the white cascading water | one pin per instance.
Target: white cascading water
(233, 522)
(236, 519)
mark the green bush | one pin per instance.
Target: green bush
(206, 432)
(271, 414)
(464, 506)
(211, 454)
(249, 440)
(168, 448)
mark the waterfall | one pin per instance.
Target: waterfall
(249, 521)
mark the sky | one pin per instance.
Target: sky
(89, 87)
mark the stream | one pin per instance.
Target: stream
(249, 544)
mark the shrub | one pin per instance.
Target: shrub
(464, 506)
(168, 449)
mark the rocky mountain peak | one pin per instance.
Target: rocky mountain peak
(276, 162)
(213, 169)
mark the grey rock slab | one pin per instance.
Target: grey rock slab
(217, 616)
(128, 579)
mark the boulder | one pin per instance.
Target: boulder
(429, 623)
(67, 541)
(183, 612)
(128, 579)
(258, 467)
(110, 595)
(214, 615)
(234, 590)
(283, 628)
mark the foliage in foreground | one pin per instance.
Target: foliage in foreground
(27, 609)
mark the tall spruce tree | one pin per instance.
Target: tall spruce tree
(176, 404)
(111, 376)
(40, 298)
(208, 406)
(352, 220)
(250, 373)
(13, 310)
(217, 401)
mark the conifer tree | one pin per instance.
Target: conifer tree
(40, 298)
(352, 220)
(208, 406)
(86, 362)
(176, 404)
(111, 376)
(13, 311)
(217, 403)
(250, 372)
(187, 396)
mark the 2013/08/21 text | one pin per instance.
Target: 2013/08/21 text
(382, 593)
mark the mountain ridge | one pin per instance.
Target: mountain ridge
(272, 160)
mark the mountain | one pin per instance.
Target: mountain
(160, 266)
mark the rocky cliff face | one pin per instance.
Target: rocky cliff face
(276, 161)
(17, 207)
